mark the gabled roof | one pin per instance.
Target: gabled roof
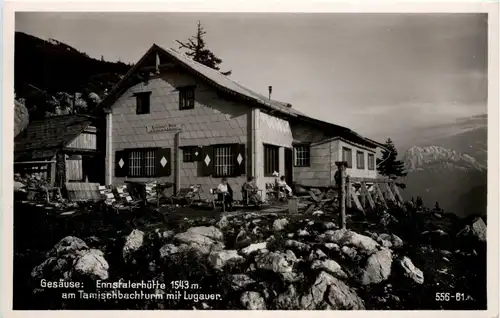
(213, 77)
(226, 84)
(43, 137)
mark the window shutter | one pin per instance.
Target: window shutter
(163, 160)
(197, 154)
(207, 161)
(121, 163)
(240, 163)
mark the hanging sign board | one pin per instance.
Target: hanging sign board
(163, 128)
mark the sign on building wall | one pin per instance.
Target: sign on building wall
(163, 128)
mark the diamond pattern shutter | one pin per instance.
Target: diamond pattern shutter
(163, 160)
(121, 163)
(207, 161)
(240, 162)
(197, 154)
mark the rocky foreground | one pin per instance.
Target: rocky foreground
(271, 261)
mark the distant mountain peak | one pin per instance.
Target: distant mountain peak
(419, 158)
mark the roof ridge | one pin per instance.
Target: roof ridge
(183, 55)
(64, 116)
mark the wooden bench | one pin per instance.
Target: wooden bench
(83, 191)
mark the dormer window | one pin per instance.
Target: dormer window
(143, 103)
(186, 97)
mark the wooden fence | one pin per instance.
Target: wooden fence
(362, 192)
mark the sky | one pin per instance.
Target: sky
(382, 75)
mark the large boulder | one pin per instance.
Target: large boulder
(411, 271)
(479, 229)
(329, 266)
(208, 231)
(330, 292)
(221, 258)
(91, 263)
(240, 281)
(346, 237)
(203, 239)
(280, 224)
(298, 246)
(252, 300)
(254, 248)
(389, 240)
(133, 242)
(168, 249)
(71, 258)
(275, 261)
(377, 268)
(288, 300)
(68, 245)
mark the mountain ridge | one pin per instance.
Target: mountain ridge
(450, 168)
(417, 158)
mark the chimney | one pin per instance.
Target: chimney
(270, 88)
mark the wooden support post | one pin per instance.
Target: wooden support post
(390, 195)
(368, 195)
(380, 194)
(357, 203)
(397, 194)
(348, 192)
(341, 166)
(362, 194)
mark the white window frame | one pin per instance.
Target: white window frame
(302, 156)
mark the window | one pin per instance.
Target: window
(360, 159)
(347, 156)
(222, 160)
(142, 103)
(142, 163)
(271, 160)
(302, 156)
(225, 162)
(371, 161)
(186, 97)
(190, 153)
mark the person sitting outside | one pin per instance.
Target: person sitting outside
(225, 193)
(282, 184)
(251, 190)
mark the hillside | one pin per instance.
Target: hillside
(451, 168)
(52, 67)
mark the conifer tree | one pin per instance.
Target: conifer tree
(198, 51)
(420, 202)
(388, 165)
(437, 208)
